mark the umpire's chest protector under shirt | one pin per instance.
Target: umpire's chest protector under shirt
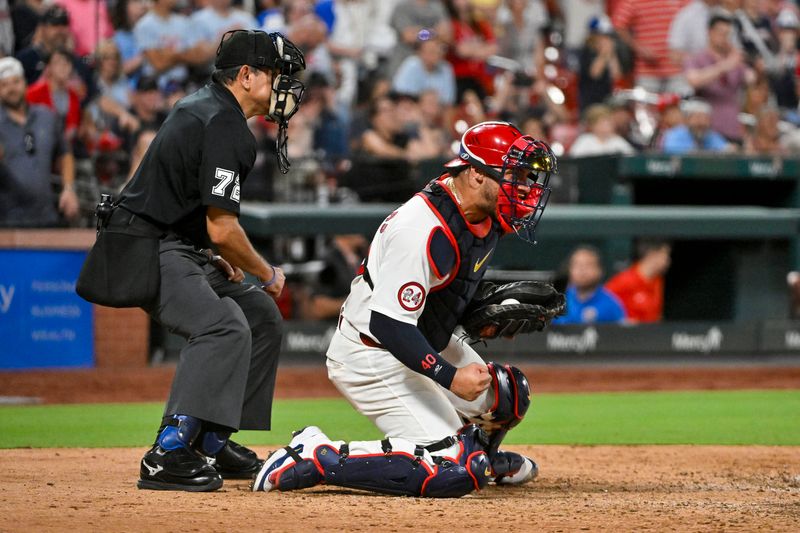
(199, 158)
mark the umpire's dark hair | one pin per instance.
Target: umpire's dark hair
(645, 246)
(225, 76)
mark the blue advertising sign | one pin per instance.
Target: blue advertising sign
(43, 323)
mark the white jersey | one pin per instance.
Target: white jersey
(399, 266)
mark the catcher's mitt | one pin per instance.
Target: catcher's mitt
(529, 306)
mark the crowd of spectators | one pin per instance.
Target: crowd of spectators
(393, 83)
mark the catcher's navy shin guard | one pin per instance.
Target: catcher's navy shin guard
(391, 466)
(512, 398)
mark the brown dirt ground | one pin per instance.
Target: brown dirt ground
(655, 488)
(152, 384)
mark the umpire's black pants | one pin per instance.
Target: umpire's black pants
(226, 373)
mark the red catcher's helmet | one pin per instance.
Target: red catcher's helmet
(519, 163)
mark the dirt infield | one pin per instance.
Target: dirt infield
(152, 384)
(656, 488)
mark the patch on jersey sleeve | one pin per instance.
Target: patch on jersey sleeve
(411, 296)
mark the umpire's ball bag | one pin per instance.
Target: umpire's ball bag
(122, 268)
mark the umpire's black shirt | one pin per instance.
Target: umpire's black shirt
(199, 158)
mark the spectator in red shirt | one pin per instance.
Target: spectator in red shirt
(644, 26)
(640, 288)
(473, 43)
(53, 90)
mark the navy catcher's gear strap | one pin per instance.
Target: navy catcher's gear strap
(442, 444)
(407, 343)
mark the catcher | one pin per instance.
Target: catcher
(397, 355)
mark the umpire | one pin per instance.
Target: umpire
(188, 188)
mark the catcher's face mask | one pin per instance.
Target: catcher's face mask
(286, 92)
(524, 189)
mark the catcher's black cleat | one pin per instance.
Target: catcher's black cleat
(235, 461)
(179, 469)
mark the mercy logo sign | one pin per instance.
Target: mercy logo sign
(6, 295)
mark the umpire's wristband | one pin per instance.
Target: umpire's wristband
(271, 281)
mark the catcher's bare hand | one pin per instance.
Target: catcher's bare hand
(470, 381)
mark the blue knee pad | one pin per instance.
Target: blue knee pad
(211, 442)
(180, 432)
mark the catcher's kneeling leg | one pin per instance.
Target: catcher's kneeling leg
(512, 398)
(390, 466)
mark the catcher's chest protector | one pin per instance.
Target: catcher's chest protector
(446, 303)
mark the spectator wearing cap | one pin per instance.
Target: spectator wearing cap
(576, 15)
(784, 76)
(644, 26)
(88, 22)
(669, 116)
(600, 137)
(599, 64)
(168, 44)
(717, 75)
(33, 144)
(51, 33)
(688, 33)
(696, 135)
(427, 69)
(147, 103)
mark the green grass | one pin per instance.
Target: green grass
(721, 417)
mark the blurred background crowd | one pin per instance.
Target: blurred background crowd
(390, 87)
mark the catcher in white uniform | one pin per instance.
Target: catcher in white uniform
(400, 355)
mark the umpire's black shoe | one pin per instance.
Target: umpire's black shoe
(179, 469)
(234, 461)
